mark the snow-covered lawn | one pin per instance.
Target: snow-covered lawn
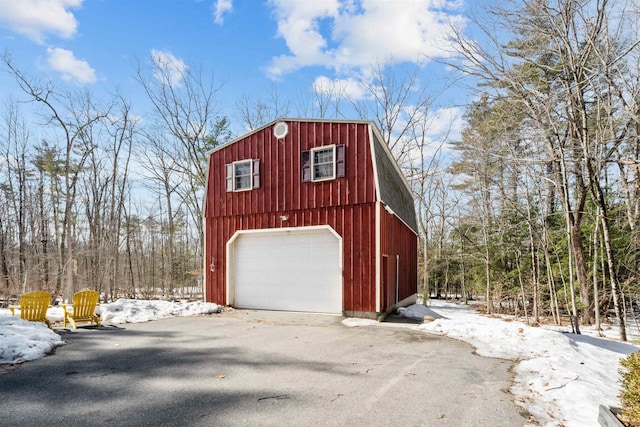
(560, 378)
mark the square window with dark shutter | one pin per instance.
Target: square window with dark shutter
(323, 163)
(243, 175)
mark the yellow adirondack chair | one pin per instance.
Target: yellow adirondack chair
(33, 307)
(83, 309)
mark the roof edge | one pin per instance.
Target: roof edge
(385, 147)
(290, 119)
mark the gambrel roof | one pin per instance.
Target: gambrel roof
(391, 186)
(393, 189)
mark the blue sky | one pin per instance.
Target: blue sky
(250, 45)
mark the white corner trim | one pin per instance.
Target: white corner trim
(229, 279)
(374, 161)
(378, 256)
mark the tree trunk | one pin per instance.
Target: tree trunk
(615, 291)
(4, 269)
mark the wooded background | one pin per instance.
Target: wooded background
(533, 207)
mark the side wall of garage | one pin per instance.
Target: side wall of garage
(399, 249)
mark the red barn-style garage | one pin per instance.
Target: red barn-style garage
(309, 215)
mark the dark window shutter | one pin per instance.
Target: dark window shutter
(229, 176)
(256, 174)
(340, 161)
(306, 166)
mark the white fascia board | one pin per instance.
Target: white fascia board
(374, 162)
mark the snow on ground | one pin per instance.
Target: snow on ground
(559, 377)
(21, 341)
(135, 311)
(353, 322)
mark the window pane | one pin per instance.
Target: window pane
(323, 156)
(243, 168)
(323, 171)
(323, 164)
(242, 173)
(243, 182)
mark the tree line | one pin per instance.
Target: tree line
(91, 198)
(547, 170)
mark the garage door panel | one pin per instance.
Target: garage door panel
(291, 270)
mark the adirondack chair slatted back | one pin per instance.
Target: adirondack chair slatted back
(83, 309)
(84, 303)
(33, 307)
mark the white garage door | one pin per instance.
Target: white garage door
(295, 270)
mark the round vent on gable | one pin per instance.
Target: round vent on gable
(280, 130)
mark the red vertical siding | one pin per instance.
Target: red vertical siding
(281, 188)
(358, 248)
(398, 239)
(346, 204)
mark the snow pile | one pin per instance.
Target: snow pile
(419, 312)
(561, 378)
(136, 311)
(21, 340)
(353, 322)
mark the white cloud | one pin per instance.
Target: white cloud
(35, 18)
(446, 122)
(169, 70)
(70, 67)
(220, 8)
(351, 88)
(348, 34)
(299, 25)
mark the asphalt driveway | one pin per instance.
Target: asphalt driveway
(253, 368)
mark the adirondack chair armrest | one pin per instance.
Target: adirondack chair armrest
(70, 306)
(64, 306)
